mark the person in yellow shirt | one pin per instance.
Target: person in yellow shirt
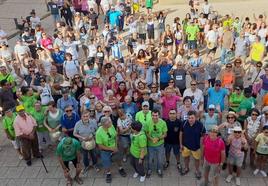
(257, 50)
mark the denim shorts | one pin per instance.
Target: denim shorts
(124, 141)
(107, 157)
(192, 44)
(236, 160)
(175, 147)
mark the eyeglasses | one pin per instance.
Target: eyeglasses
(237, 132)
(254, 114)
(92, 98)
(69, 110)
(106, 111)
(230, 117)
(217, 85)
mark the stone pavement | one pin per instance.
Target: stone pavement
(14, 172)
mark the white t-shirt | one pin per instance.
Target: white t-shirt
(20, 50)
(197, 96)
(71, 68)
(92, 50)
(125, 123)
(207, 8)
(34, 21)
(2, 35)
(45, 95)
(212, 36)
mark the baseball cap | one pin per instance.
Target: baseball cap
(145, 103)
(218, 82)
(237, 128)
(265, 109)
(211, 106)
(19, 108)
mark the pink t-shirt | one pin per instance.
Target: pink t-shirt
(212, 149)
(98, 92)
(168, 104)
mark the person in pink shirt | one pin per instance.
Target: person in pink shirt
(169, 101)
(46, 42)
(97, 88)
(25, 130)
(213, 156)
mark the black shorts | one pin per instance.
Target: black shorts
(206, 16)
(142, 36)
(150, 34)
(74, 161)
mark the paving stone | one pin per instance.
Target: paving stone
(51, 182)
(33, 182)
(30, 172)
(14, 172)
(3, 171)
(3, 182)
(51, 172)
(16, 182)
(170, 181)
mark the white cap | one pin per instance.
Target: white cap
(237, 128)
(211, 106)
(145, 103)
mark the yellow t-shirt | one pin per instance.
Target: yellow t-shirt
(257, 51)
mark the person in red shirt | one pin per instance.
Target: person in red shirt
(213, 155)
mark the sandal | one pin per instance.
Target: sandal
(78, 180)
(184, 171)
(198, 175)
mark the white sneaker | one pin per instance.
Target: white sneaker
(256, 172)
(263, 173)
(237, 181)
(142, 178)
(20, 157)
(229, 178)
(135, 175)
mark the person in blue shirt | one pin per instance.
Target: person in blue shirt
(129, 106)
(216, 95)
(113, 17)
(58, 58)
(68, 121)
(164, 68)
(67, 100)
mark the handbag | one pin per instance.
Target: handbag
(88, 145)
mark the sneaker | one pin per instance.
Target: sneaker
(166, 165)
(149, 172)
(256, 172)
(263, 173)
(108, 178)
(224, 166)
(122, 172)
(160, 173)
(135, 175)
(198, 175)
(85, 170)
(142, 178)
(237, 181)
(29, 163)
(229, 178)
(179, 166)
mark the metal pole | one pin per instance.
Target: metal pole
(43, 163)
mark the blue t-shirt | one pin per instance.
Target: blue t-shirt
(164, 76)
(114, 17)
(217, 97)
(192, 134)
(69, 123)
(131, 108)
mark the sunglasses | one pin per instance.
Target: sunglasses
(68, 110)
(228, 66)
(91, 110)
(172, 113)
(155, 129)
(237, 132)
(230, 117)
(92, 98)
(259, 66)
(76, 77)
(217, 85)
(211, 109)
(171, 82)
(254, 114)
(193, 84)
(106, 111)
(31, 71)
(109, 135)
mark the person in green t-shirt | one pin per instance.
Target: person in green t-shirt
(192, 31)
(145, 115)
(7, 76)
(138, 150)
(245, 107)
(235, 99)
(156, 131)
(68, 150)
(38, 113)
(27, 97)
(8, 121)
(106, 139)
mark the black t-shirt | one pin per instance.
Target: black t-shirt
(179, 76)
(93, 17)
(173, 131)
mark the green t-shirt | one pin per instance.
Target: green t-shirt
(155, 130)
(28, 102)
(9, 79)
(106, 138)
(236, 99)
(262, 143)
(68, 153)
(247, 104)
(54, 122)
(144, 119)
(192, 31)
(39, 117)
(138, 142)
(8, 125)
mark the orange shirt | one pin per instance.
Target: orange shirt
(227, 78)
(24, 126)
(265, 100)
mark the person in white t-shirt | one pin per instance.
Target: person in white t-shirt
(212, 39)
(35, 20)
(196, 95)
(71, 66)
(207, 8)
(21, 51)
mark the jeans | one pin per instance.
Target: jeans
(92, 155)
(225, 56)
(157, 152)
(139, 168)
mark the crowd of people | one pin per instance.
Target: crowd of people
(115, 83)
